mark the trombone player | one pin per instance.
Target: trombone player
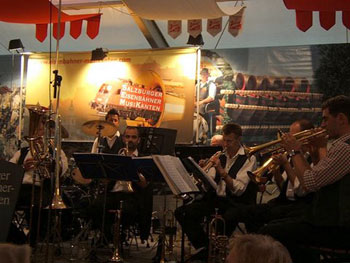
(234, 190)
(326, 222)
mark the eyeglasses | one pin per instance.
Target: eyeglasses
(131, 136)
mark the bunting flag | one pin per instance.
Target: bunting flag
(326, 9)
(41, 13)
(235, 23)
(214, 26)
(174, 28)
(194, 27)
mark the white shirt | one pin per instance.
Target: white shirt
(211, 88)
(110, 142)
(28, 175)
(242, 179)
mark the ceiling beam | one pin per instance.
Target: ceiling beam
(151, 31)
(91, 5)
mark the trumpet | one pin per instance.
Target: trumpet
(217, 241)
(269, 166)
(302, 136)
(210, 164)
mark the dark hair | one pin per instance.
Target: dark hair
(112, 112)
(133, 128)
(305, 124)
(205, 70)
(338, 104)
(232, 128)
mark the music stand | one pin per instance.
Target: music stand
(157, 141)
(106, 166)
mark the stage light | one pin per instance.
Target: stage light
(16, 45)
(98, 54)
(196, 41)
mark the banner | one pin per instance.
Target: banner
(194, 27)
(214, 26)
(148, 88)
(174, 28)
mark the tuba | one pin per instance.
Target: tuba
(217, 242)
(39, 145)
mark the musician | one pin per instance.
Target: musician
(137, 197)
(216, 140)
(292, 200)
(234, 190)
(326, 223)
(24, 158)
(110, 144)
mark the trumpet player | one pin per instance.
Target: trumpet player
(326, 222)
(234, 190)
(137, 197)
(292, 200)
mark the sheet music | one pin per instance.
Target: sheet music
(175, 174)
(209, 179)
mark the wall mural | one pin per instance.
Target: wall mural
(10, 104)
(263, 89)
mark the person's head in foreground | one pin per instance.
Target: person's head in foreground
(254, 248)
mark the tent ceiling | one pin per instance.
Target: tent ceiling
(266, 23)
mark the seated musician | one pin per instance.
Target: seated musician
(326, 222)
(36, 175)
(292, 200)
(234, 190)
(137, 197)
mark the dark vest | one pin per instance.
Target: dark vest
(203, 94)
(331, 204)
(249, 195)
(118, 144)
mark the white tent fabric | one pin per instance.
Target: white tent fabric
(180, 9)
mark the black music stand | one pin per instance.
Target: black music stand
(157, 141)
(106, 166)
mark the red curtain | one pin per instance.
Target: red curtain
(41, 13)
(326, 8)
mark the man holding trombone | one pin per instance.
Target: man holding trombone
(327, 221)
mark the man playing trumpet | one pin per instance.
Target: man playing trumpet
(326, 222)
(234, 189)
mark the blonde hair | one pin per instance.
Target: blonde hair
(254, 248)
